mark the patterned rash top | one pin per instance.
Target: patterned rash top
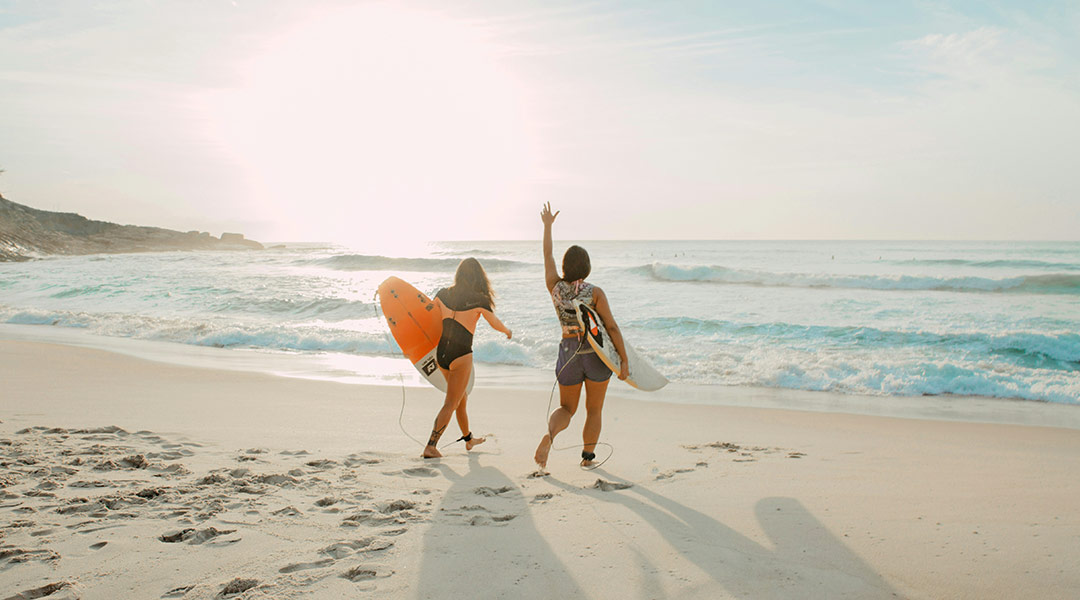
(562, 295)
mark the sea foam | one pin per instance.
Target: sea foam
(1033, 284)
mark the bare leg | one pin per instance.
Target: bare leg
(462, 415)
(595, 391)
(463, 423)
(559, 420)
(457, 377)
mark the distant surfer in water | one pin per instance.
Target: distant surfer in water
(461, 306)
(578, 363)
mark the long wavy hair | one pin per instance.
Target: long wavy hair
(471, 284)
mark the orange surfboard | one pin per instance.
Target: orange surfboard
(416, 325)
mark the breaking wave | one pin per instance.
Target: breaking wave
(366, 262)
(1032, 284)
(991, 264)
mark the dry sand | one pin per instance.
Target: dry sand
(124, 478)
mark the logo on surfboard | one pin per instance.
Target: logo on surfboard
(428, 367)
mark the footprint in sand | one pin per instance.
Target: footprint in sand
(294, 453)
(178, 592)
(340, 550)
(494, 520)
(414, 472)
(672, 473)
(461, 510)
(10, 556)
(237, 586)
(608, 486)
(483, 519)
(195, 537)
(288, 511)
(355, 461)
(490, 492)
(396, 506)
(542, 497)
(150, 493)
(359, 573)
(318, 564)
(48, 590)
(396, 512)
(745, 453)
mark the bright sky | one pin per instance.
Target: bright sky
(369, 122)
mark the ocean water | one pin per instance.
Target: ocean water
(998, 319)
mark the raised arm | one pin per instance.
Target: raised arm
(551, 274)
(604, 310)
(495, 323)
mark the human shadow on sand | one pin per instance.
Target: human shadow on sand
(483, 542)
(806, 562)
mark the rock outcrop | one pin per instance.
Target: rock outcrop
(27, 233)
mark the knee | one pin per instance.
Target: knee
(570, 410)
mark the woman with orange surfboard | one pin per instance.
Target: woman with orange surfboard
(578, 364)
(461, 306)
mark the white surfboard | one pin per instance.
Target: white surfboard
(429, 370)
(642, 375)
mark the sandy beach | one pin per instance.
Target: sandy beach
(839, 242)
(125, 478)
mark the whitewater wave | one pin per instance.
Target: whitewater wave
(1059, 350)
(1032, 284)
(911, 376)
(367, 262)
(465, 253)
(224, 333)
(991, 264)
(863, 360)
(326, 309)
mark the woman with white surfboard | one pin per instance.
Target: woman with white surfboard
(578, 363)
(461, 306)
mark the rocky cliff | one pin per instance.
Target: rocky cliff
(27, 233)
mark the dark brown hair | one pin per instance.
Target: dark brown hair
(575, 264)
(471, 284)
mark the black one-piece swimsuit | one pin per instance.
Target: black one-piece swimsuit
(456, 341)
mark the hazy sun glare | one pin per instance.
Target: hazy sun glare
(376, 124)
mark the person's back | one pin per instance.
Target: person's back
(563, 294)
(460, 306)
(577, 364)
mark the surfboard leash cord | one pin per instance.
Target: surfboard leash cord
(551, 396)
(547, 415)
(401, 379)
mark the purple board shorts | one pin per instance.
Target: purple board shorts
(573, 369)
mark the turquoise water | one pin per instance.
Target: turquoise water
(880, 318)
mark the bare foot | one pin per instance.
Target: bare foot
(475, 441)
(542, 451)
(587, 463)
(432, 452)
